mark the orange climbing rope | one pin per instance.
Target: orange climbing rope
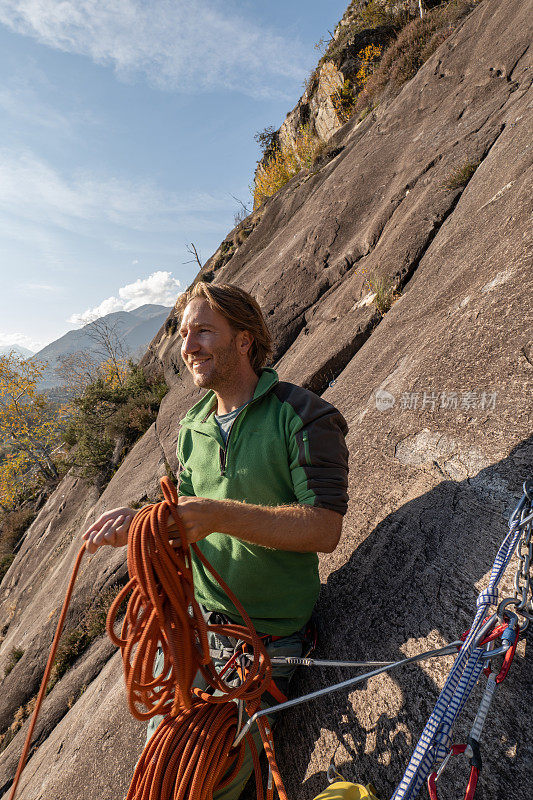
(191, 753)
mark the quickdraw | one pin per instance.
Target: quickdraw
(433, 747)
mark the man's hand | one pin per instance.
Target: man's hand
(199, 516)
(110, 528)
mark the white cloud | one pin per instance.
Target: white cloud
(48, 288)
(175, 44)
(28, 95)
(159, 288)
(8, 339)
(23, 103)
(33, 190)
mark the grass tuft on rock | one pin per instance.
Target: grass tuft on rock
(15, 655)
(460, 177)
(385, 291)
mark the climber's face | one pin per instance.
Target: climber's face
(213, 351)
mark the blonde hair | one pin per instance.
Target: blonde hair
(242, 312)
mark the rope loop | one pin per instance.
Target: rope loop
(191, 753)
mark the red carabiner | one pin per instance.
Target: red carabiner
(455, 750)
(508, 659)
(494, 634)
(472, 783)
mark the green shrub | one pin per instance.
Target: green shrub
(74, 643)
(71, 646)
(13, 526)
(5, 563)
(107, 420)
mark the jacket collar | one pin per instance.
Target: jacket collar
(201, 415)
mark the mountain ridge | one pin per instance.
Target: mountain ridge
(133, 328)
(23, 352)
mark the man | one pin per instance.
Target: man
(263, 478)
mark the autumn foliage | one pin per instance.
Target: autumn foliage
(109, 406)
(284, 162)
(29, 429)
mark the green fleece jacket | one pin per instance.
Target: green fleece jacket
(286, 446)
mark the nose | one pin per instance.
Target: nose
(189, 344)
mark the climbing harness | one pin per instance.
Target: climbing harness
(199, 746)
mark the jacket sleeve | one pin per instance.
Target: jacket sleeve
(318, 455)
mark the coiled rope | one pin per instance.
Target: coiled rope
(191, 754)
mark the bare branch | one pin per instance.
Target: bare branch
(191, 249)
(77, 370)
(239, 201)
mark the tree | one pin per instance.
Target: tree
(77, 370)
(243, 211)
(110, 347)
(29, 427)
(268, 140)
(82, 368)
(106, 359)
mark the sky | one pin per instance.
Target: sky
(125, 129)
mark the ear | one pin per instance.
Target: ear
(244, 342)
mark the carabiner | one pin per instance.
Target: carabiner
(508, 636)
(455, 750)
(508, 660)
(332, 775)
(513, 601)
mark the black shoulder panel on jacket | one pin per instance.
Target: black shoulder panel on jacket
(307, 404)
(321, 450)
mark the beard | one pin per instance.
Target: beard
(221, 371)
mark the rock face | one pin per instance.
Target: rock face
(365, 22)
(315, 108)
(437, 395)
